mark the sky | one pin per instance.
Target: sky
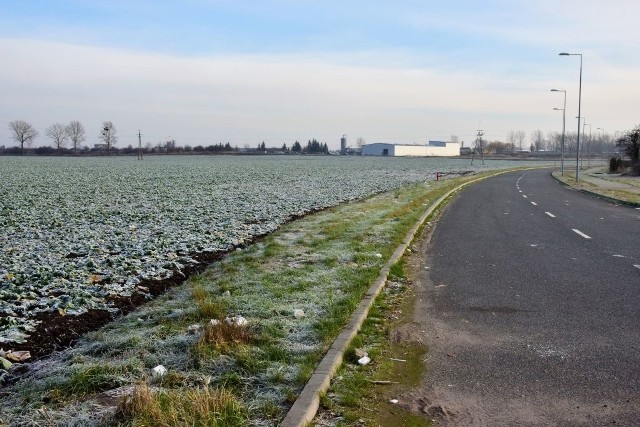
(406, 71)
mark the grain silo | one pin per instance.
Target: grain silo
(343, 144)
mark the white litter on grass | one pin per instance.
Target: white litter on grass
(394, 401)
(364, 360)
(379, 255)
(236, 320)
(159, 371)
(194, 329)
(298, 314)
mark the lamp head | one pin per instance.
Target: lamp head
(564, 54)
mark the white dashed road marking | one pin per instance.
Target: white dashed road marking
(550, 214)
(524, 195)
(580, 233)
(534, 203)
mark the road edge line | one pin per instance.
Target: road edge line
(305, 408)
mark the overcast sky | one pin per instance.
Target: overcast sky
(207, 71)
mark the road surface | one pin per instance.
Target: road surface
(529, 302)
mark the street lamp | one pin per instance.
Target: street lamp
(564, 111)
(579, 105)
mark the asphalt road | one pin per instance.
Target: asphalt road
(529, 301)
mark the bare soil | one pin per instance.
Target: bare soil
(56, 332)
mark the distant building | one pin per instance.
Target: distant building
(343, 144)
(432, 149)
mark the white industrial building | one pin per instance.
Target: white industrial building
(433, 149)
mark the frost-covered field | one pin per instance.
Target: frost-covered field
(74, 231)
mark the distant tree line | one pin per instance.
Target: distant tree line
(67, 140)
(313, 147)
(591, 143)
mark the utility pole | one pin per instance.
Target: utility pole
(479, 143)
(139, 145)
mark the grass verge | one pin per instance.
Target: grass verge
(627, 196)
(362, 395)
(167, 408)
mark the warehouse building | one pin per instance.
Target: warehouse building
(432, 149)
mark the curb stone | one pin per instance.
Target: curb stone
(306, 406)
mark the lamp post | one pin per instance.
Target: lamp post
(564, 112)
(579, 105)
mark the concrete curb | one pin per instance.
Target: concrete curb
(306, 405)
(598, 195)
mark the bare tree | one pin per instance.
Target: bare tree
(360, 142)
(58, 134)
(537, 140)
(519, 138)
(108, 135)
(511, 140)
(570, 142)
(554, 141)
(23, 132)
(75, 132)
(454, 139)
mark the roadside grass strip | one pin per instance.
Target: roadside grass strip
(620, 195)
(362, 394)
(236, 344)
